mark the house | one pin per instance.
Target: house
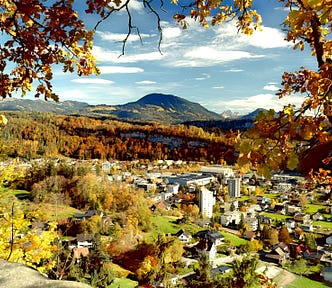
(290, 224)
(87, 214)
(308, 227)
(279, 254)
(291, 209)
(184, 236)
(85, 240)
(207, 246)
(213, 236)
(301, 217)
(317, 216)
(265, 220)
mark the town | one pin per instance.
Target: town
(212, 210)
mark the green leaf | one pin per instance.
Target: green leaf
(292, 161)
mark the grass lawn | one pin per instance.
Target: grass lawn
(313, 208)
(123, 283)
(303, 282)
(59, 211)
(167, 225)
(235, 241)
(323, 224)
(272, 195)
(277, 217)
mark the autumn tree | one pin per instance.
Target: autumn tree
(21, 240)
(284, 235)
(203, 272)
(279, 138)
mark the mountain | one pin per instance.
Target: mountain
(162, 108)
(166, 109)
(229, 114)
(252, 115)
(66, 107)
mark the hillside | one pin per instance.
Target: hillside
(162, 108)
(165, 109)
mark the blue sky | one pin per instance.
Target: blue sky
(216, 67)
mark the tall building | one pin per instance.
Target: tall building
(206, 202)
(234, 187)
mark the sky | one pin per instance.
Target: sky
(217, 67)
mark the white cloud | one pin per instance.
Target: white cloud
(92, 81)
(271, 87)
(119, 70)
(267, 38)
(204, 77)
(136, 5)
(171, 32)
(120, 37)
(267, 101)
(104, 55)
(74, 94)
(209, 56)
(146, 82)
(218, 87)
(233, 70)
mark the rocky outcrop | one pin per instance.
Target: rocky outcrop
(13, 275)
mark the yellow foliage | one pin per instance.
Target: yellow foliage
(22, 244)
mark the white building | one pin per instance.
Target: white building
(230, 218)
(234, 185)
(206, 202)
(173, 188)
(218, 169)
(191, 179)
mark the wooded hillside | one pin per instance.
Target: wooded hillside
(34, 135)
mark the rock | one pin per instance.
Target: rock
(16, 275)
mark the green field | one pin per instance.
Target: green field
(123, 283)
(234, 240)
(304, 282)
(277, 217)
(166, 225)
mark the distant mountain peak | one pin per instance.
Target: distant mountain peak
(154, 107)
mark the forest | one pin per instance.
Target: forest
(34, 135)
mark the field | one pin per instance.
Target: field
(303, 282)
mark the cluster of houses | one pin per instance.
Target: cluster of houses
(207, 184)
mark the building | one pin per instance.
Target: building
(218, 170)
(206, 202)
(234, 187)
(230, 218)
(194, 179)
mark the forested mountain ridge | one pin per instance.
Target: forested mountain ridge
(36, 134)
(161, 108)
